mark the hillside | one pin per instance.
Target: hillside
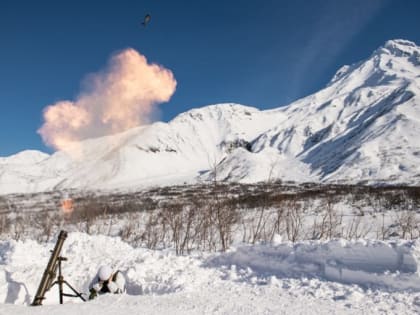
(361, 128)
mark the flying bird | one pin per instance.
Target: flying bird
(146, 19)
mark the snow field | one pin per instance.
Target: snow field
(335, 277)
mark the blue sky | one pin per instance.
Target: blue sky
(264, 53)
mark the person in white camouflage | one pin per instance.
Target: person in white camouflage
(107, 281)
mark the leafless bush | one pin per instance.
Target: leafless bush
(318, 227)
(384, 230)
(182, 222)
(127, 232)
(293, 219)
(261, 223)
(225, 216)
(206, 217)
(18, 228)
(46, 222)
(334, 220)
(85, 215)
(154, 232)
(408, 224)
(278, 226)
(194, 226)
(206, 231)
(414, 195)
(4, 224)
(173, 218)
(356, 229)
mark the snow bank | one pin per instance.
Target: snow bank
(381, 266)
(391, 266)
(147, 272)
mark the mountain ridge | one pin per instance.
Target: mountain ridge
(361, 128)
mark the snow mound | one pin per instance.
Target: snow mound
(386, 266)
(331, 267)
(147, 272)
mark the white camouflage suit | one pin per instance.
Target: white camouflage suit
(115, 283)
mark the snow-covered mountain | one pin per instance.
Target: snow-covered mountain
(361, 128)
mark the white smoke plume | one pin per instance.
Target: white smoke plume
(120, 97)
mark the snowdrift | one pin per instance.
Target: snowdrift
(391, 266)
(372, 265)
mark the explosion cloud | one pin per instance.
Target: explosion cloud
(122, 96)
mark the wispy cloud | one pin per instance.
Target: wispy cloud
(338, 23)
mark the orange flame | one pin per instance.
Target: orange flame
(67, 206)
(121, 97)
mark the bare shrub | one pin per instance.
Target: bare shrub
(173, 218)
(195, 226)
(127, 232)
(331, 223)
(46, 222)
(208, 236)
(206, 217)
(408, 224)
(334, 220)
(318, 227)
(293, 220)
(357, 229)
(154, 232)
(18, 228)
(225, 216)
(383, 232)
(279, 221)
(415, 196)
(85, 215)
(261, 223)
(263, 215)
(4, 224)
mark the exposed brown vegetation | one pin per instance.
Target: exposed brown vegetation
(206, 217)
